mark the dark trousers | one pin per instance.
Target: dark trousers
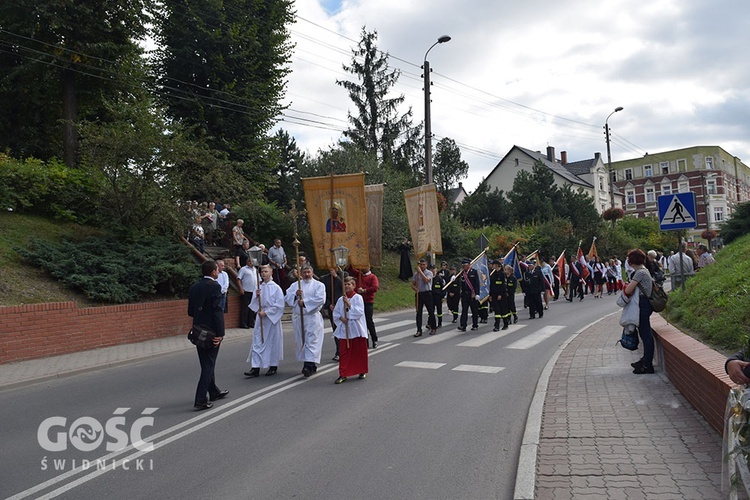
(534, 301)
(369, 307)
(333, 326)
(247, 315)
(468, 303)
(207, 382)
(644, 330)
(452, 303)
(424, 299)
(437, 301)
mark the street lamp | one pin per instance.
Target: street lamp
(609, 159)
(427, 122)
(341, 256)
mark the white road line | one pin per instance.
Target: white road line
(420, 364)
(389, 326)
(399, 335)
(536, 337)
(434, 339)
(479, 369)
(486, 338)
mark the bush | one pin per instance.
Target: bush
(45, 188)
(109, 271)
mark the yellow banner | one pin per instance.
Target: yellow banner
(374, 194)
(337, 212)
(424, 219)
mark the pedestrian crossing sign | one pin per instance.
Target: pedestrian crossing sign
(677, 211)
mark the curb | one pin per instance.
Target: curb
(526, 471)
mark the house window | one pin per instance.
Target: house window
(684, 187)
(647, 170)
(718, 214)
(516, 161)
(630, 195)
(709, 162)
(601, 183)
(650, 197)
(664, 166)
(681, 165)
(628, 174)
(711, 186)
(666, 188)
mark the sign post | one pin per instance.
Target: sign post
(677, 211)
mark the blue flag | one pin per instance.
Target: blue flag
(511, 259)
(482, 268)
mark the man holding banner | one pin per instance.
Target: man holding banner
(469, 283)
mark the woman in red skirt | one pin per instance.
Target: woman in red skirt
(351, 332)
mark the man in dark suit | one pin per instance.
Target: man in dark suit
(205, 307)
(469, 283)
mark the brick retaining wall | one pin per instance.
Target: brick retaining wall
(696, 370)
(42, 330)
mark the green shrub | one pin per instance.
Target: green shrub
(109, 271)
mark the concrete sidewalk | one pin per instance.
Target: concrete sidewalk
(607, 433)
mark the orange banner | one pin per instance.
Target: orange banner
(337, 212)
(374, 194)
(424, 219)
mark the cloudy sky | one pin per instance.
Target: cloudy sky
(537, 73)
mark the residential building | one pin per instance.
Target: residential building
(590, 175)
(455, 196)
(718, 179)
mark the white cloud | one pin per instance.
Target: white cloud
(538, 72)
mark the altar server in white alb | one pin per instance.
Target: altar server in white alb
(351, 330)
(306, 298)
(268, 338)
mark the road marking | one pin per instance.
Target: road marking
(389, 326)
(163, 438)
(479, 369)
(538, 336)
(420, 364)
(434, 339)
(486, 338)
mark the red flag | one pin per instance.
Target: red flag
(592, 251)
(584, 265)
(560, 264)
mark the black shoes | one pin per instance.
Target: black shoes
(455, 320)
(515, 319)
(374, 345)
(271, 371)
(461, 328)
(505, 326)
(203, 406)
(255, 372)
(221, 395)
(418, 334)
(475, 327)
(641, 369)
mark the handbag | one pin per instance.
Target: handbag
(629, 338)
(658, 298)
(201, 336)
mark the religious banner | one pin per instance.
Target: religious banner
(374, 194)
(424, 219)
(337, 212)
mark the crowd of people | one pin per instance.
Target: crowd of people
(346, 298)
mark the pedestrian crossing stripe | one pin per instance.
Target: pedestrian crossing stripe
(420, 364)
(535, 338)
(479, 369)
(676, 213)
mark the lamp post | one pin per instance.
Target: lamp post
(609, 159)
(427, 122)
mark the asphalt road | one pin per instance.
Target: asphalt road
(438, 417)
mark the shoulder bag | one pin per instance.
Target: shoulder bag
(201, 336)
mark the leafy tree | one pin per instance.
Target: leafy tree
(289, 159)
(59, 62)
(738, 225)
(448, 168)
(578, 207)
(533, 195)
(221, 70)
(483, 207)
(377, 126)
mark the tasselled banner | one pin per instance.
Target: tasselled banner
(337, 213)
(374, 194)
(424, 219)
